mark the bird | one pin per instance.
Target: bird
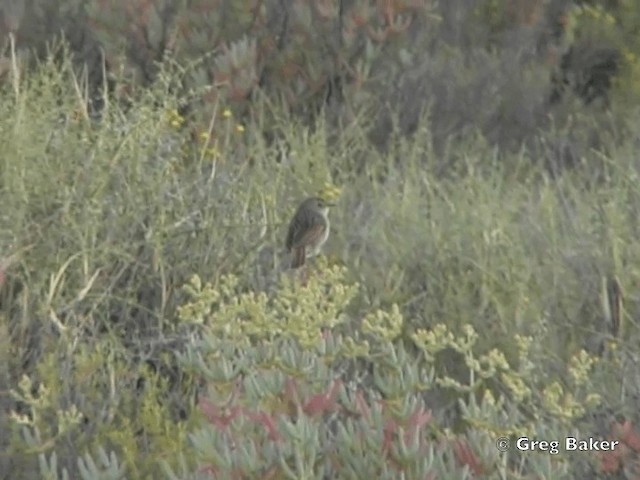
(308, 230)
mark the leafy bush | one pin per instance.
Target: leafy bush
(286, 395)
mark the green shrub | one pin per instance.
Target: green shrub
(288, 394)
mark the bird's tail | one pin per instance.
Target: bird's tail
(298, 257)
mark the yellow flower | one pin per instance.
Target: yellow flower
(175, 119)
(227, 113)
(212, 152)
(330, 192)
(240, 128)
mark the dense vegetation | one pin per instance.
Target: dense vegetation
(479, 283)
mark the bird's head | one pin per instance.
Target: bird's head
(318, 204)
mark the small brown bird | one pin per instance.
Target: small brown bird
(308, 230)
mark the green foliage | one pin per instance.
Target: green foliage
(264, 358)
(250, 315)
(131, 420)
(497, 16)
(605, 45)
(338, 59)
(296, 51)
(81, 382)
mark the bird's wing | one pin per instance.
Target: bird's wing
(303, 231)
(308, 235)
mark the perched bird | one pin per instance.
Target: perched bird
(308, 230)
